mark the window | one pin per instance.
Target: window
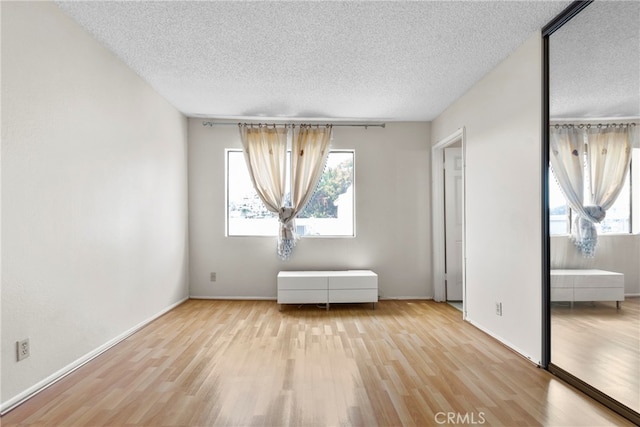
(559, 212)
(330, 212)
(618, 219)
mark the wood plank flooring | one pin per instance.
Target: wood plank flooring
(600, 345)
(242, 363)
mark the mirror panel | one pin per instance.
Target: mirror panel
(594, 78)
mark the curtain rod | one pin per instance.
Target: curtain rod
(590, 125)
(211, 123)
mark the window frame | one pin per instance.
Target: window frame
(569, 219)
(634, 201)
(324, 236)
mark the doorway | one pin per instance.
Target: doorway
(453, 222)
(449, 280)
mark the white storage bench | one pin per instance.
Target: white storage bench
(587, 285)
(325, 287)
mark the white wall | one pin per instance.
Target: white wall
(392, 167)
(502, 118)
(620, 253)
(94, 197)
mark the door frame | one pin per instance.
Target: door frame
(438, 216)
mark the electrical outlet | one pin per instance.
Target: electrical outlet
(499, 308)
(24, 349)
(213, 277)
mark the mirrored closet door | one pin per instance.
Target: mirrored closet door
(594, 200)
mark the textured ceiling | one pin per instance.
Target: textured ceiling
(594, 63)
(339, 60)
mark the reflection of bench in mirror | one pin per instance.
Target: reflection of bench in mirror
(587, 285)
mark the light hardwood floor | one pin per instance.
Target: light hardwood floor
(240, 363)
(600, 344)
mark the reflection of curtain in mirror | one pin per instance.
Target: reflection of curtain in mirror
(608, 157)
(567, 156)
(607, 153)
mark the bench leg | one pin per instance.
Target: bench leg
(617, 304)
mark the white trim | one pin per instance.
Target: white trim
(506, 343)
(233, 298)
(438, 215)
(57, 376)
(236, 298)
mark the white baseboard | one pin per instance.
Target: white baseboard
(57, 376)
(234, 298)
(506, 343)
(632, 295)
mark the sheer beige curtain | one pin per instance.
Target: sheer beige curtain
(608, 155)
(309, 152)
(265, 150)
(590, 164)
(566, 155)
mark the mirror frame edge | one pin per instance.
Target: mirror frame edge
(566, 15)
(562, 18)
